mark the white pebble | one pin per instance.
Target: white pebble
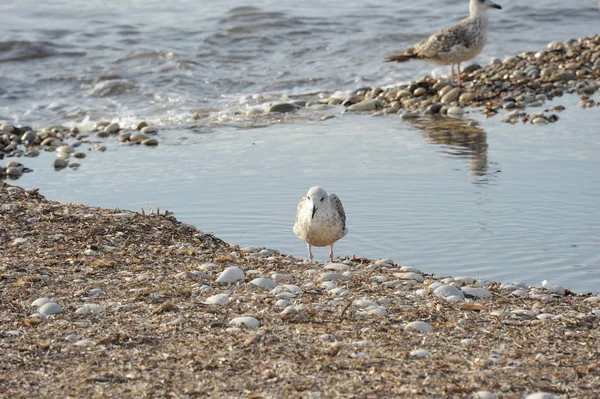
(363, 303)
(419, 326)
(50, 308)
(379, 311)
(384, 262)
(282, 303)
(290, 309)
(207, 267)
(264, 283)
(523, 312)
(249, 322)
(332, 277)
(97, 291)
(519, 293)
(13, 332)
(281, 277)
(328, 337)
(90, 252)
(336, 266)
(112, 128)
(592, 299)
(446, 291)
(218, 300)
(544, 316)
(41, 301)
(467, 341)
(84, 343)
(542, 395)
(484, 395)
(410, 276)
(18, 241)
(420, 353)
(89, 308)
(409, 269)
(231, 275)
(421, 292)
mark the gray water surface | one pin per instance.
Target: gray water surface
(506, 203)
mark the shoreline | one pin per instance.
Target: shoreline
(519, 85)
(133, 285)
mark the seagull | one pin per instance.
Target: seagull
(455, 44)
(320, 220)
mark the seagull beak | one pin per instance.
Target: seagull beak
(497, 6)
(314, 211)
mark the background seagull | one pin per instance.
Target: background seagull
(456, 44)
(320, 220)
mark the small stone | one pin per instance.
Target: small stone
(50, 308)
(112, 128)
(231, 275)
(476, 292)
(565, 76)
(419, 326)
(455, 112)
(60, 163)
(138, 137)
(150, 142)
(41, 301)
(336, 266)
(249, 322)
(281, 108)
(141, 125)
(451, 96)
(363, 303)
(79, 155)
(89, 308)
(542, 395)
(446, 291)
(264, 283)
(84, 343)
(18, 241)
(466, 98)
(467, 341)
(333, 277)
(410, 276)
(539, 121)
(207, 267)
(282, 303)
(386, 262)
(149, 130)
(484, 395)
(519, 293)
(90, 252)
(419, 353)
(419, 92)
(218, 300)
(366, 105)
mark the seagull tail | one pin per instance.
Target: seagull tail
(401, 57)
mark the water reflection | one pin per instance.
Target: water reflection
(463, 138)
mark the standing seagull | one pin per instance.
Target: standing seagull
(320, 220)
(456, 44)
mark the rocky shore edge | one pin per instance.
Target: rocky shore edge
(99, 302)
(520, 84)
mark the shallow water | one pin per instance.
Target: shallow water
(508, 203)
(65, 61)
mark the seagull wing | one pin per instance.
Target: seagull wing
(339, 208)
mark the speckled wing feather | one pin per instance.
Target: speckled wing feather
(339, 208)
(300, 206)
(453, 44)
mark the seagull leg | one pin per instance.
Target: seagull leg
(452, 71)
(310, 255)
(459, 78)
(331, 253)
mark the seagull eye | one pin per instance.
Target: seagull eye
(322, 199)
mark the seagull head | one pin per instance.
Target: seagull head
(481, 6)
(317, 196)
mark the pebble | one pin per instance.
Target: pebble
(50, 308)
(446, 291)
(41, 301)
(281, 108)
(484, 395)
(385, 262)
(18, 241)
(419, 353)
(218, 300)
(410, 276)
(419, 326)
(451, 96)
(455, 112)
(249, 322)
(333, 277)
(467, 341)
(112, 128)
(150, 142)
(336, 266)
(421, 91)
(282, 303)
(207, 267)
(363, 303)
(592, 299)
(89, 308)
(84, 343)
(519, 293)
(230, 275)
(147, 129)
(476, 292)
(541, 395)
(138, 137)
(366, 105)
(60, 163)
(264, 283)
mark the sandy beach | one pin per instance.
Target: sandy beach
(147, 306)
